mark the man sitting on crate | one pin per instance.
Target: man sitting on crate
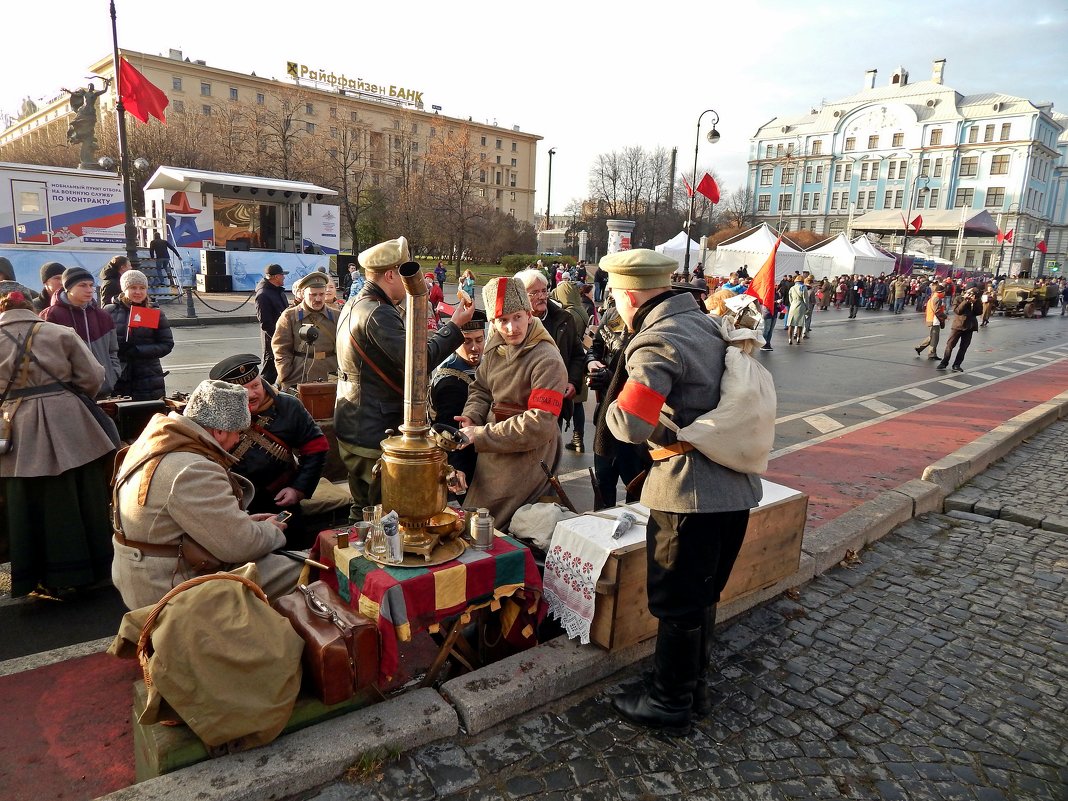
(180, 512)
(673, 365)
(303, 341)
(282, 452)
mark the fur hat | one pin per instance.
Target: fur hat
(385, 255)
(75, 275)
(50, 270)
(640, 268)
(218, 404)
(504, 296)
(133, 278)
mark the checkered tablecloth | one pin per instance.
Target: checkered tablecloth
(406, 600)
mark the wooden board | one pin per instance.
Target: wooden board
(771, 552)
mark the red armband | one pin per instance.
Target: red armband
(642, 402)
(317, 444)
(548, 400)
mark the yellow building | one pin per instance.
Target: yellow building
(384, 129)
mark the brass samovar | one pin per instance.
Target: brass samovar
(414, 468)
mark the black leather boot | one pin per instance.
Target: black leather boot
(576, 443)
(702, 701)
(665, 705)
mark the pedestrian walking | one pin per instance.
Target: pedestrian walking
(271, 302)
(966, 313)
(799, 306)
(935, 320)
(855, 296)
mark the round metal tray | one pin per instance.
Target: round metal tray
(445, 552)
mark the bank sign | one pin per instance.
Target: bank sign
(341, 81)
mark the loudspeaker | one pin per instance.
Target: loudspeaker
(214, 283)
(213, 262)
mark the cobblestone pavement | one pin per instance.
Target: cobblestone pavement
(933, 668)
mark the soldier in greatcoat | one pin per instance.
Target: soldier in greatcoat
(303, 358)
(673, 365)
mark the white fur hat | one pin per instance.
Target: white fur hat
(219, 404)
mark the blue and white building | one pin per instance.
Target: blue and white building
(915, 149)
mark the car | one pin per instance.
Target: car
(1026, 297)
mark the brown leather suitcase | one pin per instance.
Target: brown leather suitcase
(341, 648)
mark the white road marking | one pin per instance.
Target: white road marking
(1028, 364)
(854, 339)
(1000, 368)
(949, 382)
(823, 423)
(878, 406)
(1041, 356)
(184, 368)
(922, 394)
(984, 376)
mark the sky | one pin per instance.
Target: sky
(584, 76)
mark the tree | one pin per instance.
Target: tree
(738, 207)
(451, 172)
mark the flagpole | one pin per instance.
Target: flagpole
(713, 137)
(130, 231)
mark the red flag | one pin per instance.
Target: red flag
(143, 317)
(1008, 236)
(1001, 237)
(762, 287)
(689, 189)
(139, 95)
(708, 188)
(1041, 246)
(917, 224)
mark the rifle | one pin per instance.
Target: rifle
(555, 483)
(598, 498)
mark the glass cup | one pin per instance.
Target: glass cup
(369, 514)
(361, 532)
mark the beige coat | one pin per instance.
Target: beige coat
(190, 494)
(54, 432)
(292, 355)
(508, 475)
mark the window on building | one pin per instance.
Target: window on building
(511, 196)
(778, 151)
(973, 135)
(819, 173)
(481, 156)
(809, 172)
(396, 125)
(873, 142)
(815, 201)
(999, 165)
(514, 162)
(932, 199)
(309, 127)
(986, 259)
(763, 202)
(333, 152)
(498, 144)
(765, 176)
(936, 136)
(988, 133)
(898, 140)
(848, 172)
(511, 179)
(837, 173)
(834, 201)
(482, 176)
(899, 196)
(864, 171)
(888, 199)
(871, 199)
(1006, 128)
(963, 198)
(938, 168)
(415, 147)
(969, 166)
(500, 194)
(233, 93)
(995, 197)
(261, 99)
(353, 116)
(498, 180)
(206, 110)
(787, 176)
(333, 112)
(837, 225)
(176, 83)
(333, 133)
(969, 258)
(891, 171)
(511, 212)
(515, 147)
(498, 159)
(850, 143)
(862, 199)
(205, 89)
(817, 149)
(179, 106)
(804, 201)
(415, 127)
(483, 141)
(785, 202)
(375, 179)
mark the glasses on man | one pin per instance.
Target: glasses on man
(537, 293)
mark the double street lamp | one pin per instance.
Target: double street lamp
(713, 137)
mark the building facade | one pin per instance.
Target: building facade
(387, 126)
(916, 146)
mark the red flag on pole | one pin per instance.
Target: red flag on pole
(143, 317)
(762, 287)
(1008, 236)
(1041, 246)
(1001, 236)
(689, 189)
(139, 95)
(708, 188)
(917, 224)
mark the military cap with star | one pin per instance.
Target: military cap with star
(239, 369)
(640, 268)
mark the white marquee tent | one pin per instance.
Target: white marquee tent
(675, 248)
(871, 260)
(852, 258)
(753, 249)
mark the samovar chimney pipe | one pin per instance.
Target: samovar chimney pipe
(416, 422)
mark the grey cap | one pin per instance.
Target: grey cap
(219, 404)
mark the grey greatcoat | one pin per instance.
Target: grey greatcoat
(675, 365)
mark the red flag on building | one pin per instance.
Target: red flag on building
(143, 317)
(689, 189)
(708, 188)
(139, 95)
(762, 287)
(1041, 246)
(917, 224)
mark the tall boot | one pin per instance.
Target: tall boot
(702, 702)
(666, 704)
(576, 442)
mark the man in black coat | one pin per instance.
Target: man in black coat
(271, 301)
(966, 313)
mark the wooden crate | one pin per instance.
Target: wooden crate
(771, 552)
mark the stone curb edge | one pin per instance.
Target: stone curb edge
(476, 701)
(185, 322)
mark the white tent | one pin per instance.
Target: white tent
(753, 249)
(842, 254)
(675, 248)
(871, 260)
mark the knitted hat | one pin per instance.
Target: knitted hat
(133, 278)
(385, 255)
(74, 275)
(51, 270)
(218, 404)
(504, 296)
(640, 268)
(7, 272)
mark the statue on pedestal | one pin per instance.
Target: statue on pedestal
(82, 128)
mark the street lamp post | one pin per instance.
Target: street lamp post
(713, 137)
(916, 189)
(549, 193)
(1012, 252)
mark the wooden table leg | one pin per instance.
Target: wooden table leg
(443, 653)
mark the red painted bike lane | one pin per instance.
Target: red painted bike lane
(843, 472)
